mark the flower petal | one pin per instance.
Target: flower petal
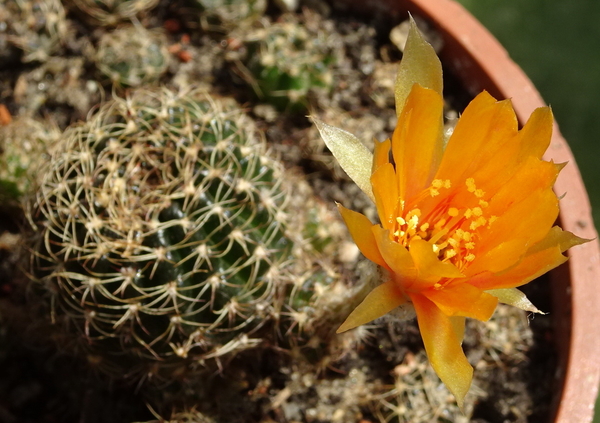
(351, 154)
(532, 175)
(525, 148)
(515, 298)
(360, 230)
(385, 191)
(539, 259)
(419, 65)
(458, 324)
(430, 268)
(464, 300)
(530, 188)
(514, 231)
(484, 126)
(536, 134)
(443, 347)
(397, 258)
(529, 268)
(381, 153)
(379, 302)
(418, 141)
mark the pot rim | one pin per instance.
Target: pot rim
(481, 63)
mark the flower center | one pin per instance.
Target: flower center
(452, 230)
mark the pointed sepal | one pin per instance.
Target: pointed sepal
(515, 298)
(379, 302)
(351, 154)
(419, 65)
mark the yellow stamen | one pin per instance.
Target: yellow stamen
(481, 221)
(471, 185)
(437, 183)
(449, 254)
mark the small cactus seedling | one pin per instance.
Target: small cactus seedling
(61, 82)
(23, 144)
(132, 56)
(164, 233)
(111, 12)
(227, 14)
(36, 27)
(286, 61)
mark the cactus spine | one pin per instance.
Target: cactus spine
(111, 12)
(163, 232)
(132, 55)
(23, 144)
(223, 15)
(286, 61)
(37, 27)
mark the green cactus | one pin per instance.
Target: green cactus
(23, 143)
(223, 15)
(286, 61)
(165, 234)
(36, 27)
(132, 56)
(111, 12)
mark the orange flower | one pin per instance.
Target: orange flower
(463, 222)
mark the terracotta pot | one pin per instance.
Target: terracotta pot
(480, 62)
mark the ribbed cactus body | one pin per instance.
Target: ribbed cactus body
(36, 27)
(111, 12)
(23, 144)
(162, 227)
(132, 55)
(227, 14)
(287, 61)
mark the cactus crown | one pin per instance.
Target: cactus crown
(162, 224)
(287, 61)
(36, 27)
(132, 55)
(111, 12)
(226, 14)
(22, 149)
